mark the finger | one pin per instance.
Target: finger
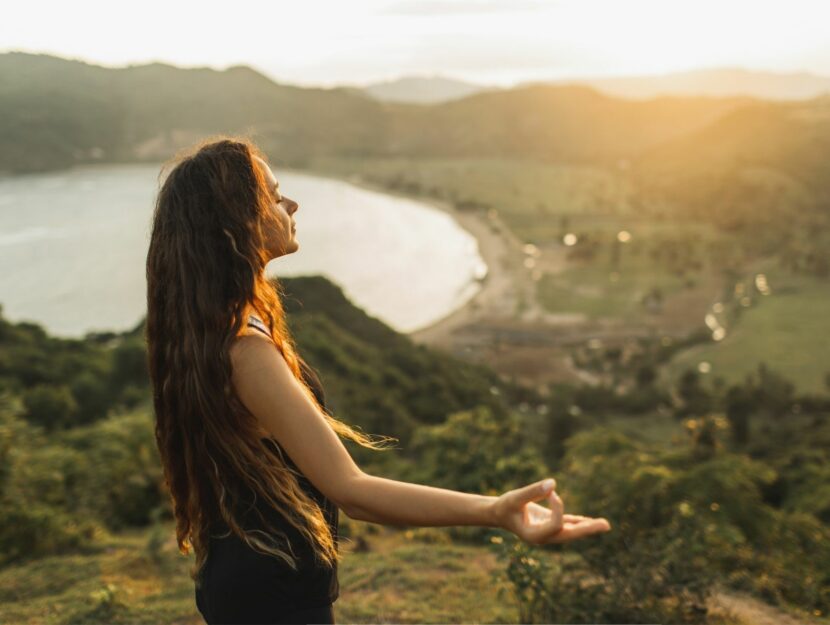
(557, 506)
(551, 526)
(532, 492)
(589, 518)
(579, 530)
(575, 518)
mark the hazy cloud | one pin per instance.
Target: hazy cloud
(457, 7)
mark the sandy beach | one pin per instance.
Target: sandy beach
(501, 288)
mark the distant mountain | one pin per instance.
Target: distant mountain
(55, 113)
(566, 124)
(791, 138)
(759, 172)
(422, 89)
(723, 82)
(719, 82)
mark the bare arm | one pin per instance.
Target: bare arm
(389, 502)
(268, 388)
(379, 500)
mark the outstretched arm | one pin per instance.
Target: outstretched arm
(379, 500)
(267, 387)
(389, 502)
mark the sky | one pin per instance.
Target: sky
(496, 42)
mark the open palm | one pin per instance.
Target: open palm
(538, 525)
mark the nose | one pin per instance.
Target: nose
(293, 206)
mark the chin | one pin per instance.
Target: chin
(292, 247)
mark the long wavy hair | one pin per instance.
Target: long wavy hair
(205, 268)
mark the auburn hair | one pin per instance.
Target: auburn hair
(205, 270)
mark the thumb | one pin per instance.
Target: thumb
(533, 492)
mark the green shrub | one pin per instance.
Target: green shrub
(121, 475)
(51, 407)
(29, 529)
(474, 451)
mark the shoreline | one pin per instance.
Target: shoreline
(503, 325)
(497, 294)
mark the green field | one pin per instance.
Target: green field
(789, 330)
(531, 197)
(672, 258)
(599, 291)
(540, 201)
(403, 576)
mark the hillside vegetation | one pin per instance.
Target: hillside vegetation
(703, 488)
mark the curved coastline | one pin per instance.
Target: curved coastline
(497, 288)
(455, 270)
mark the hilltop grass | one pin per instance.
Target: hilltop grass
(401, 579)
(414, 575)
(407, 576)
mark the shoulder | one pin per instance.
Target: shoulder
(252, 347)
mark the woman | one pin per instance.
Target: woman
(254, 462)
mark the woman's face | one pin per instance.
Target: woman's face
(280, 241)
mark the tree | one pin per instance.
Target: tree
(475, 451)
(645, 376)
(739, 405)
(774, 392)
(696, 400)
(51, 407)
(129, 364)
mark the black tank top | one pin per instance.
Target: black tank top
(234, 569)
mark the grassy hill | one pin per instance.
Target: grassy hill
(376, 377)
(373, 376)
(792, 138)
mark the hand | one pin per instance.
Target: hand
(537, 525)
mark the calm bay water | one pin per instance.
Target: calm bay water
(73, 247)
